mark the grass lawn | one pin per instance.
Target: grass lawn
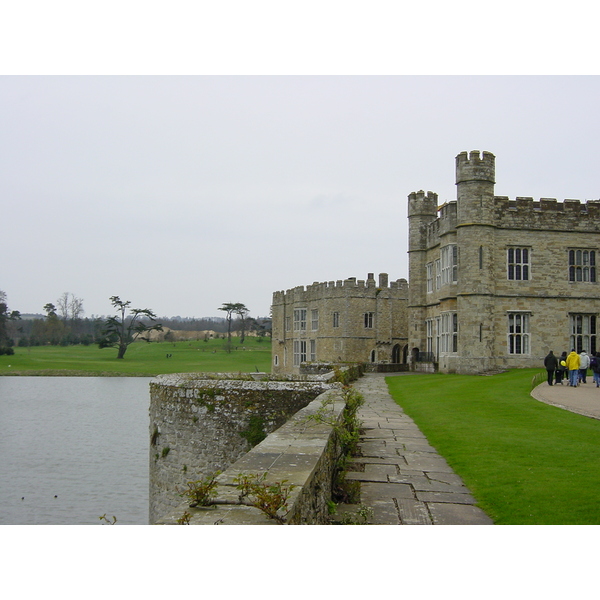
(525, 462)
(141, 359)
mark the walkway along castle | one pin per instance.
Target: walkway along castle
(493, 284)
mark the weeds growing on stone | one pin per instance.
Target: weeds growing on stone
(362, 516)
(184, 519)
(346, 436)
(270, 498)
(201, 491)
(107, 520)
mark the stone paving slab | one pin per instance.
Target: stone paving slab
(445, 497)
(457, 514)
(373, 491)
(384, 512)
(405, 481)
(414, 512)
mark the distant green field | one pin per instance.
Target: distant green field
(141, 359)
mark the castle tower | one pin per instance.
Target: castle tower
(475, 179)
(422, 211)
(475, 238)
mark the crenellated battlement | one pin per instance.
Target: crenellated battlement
(340, 287)
(475, 166)
(547, 213)
(421, 204)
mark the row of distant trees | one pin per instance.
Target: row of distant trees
(64, 324)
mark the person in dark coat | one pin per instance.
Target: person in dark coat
(595, 366)
(551, 364)
(561, 370)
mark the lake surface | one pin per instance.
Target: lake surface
(73, 449)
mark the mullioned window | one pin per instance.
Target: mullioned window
(582, 265)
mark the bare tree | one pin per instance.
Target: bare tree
(70, 307)
(76, 308)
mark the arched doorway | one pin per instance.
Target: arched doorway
(396, 354)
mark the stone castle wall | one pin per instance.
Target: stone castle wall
(344, 337)
(202, 423)
(302, 452)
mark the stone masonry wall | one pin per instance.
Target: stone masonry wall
(302, 452)
(200, 425)
(336, 327)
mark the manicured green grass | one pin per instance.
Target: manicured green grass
(141, 359)
(525, 462)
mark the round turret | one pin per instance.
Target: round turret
(475, 179)
(421, 205)
(474, 167)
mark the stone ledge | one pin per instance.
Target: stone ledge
(301, 451)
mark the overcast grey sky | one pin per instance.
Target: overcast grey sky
(182, 193)
(260, 170)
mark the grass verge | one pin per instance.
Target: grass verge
(525, 462)
(142, 359)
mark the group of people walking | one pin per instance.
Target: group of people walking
(573, 367)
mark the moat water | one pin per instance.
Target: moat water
(73, 449)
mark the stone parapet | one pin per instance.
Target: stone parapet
(199, 425)
(302, 452)
(547, 213)
(341, 289)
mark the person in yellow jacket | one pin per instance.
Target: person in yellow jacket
(573, 367)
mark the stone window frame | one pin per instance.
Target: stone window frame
(518, 333)
(449, 264)
(314, 319)
(299, 352)
(299, 319)
(369, 318)
(438, 273)
(448, 332)
(583, 332)
(336, 319)
(430, 334)
(313, 350)
(582, 265)
(518, 263)
(429, 277)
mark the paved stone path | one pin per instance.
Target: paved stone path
(405, 481)
(584, 399)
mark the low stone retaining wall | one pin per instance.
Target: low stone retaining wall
(200, 424)
(302, 452)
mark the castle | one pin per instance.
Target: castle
(493, 284)
(340, 322)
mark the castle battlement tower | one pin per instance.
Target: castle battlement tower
(475, 179)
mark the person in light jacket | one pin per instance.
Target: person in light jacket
(584, 363)
(573, 367)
